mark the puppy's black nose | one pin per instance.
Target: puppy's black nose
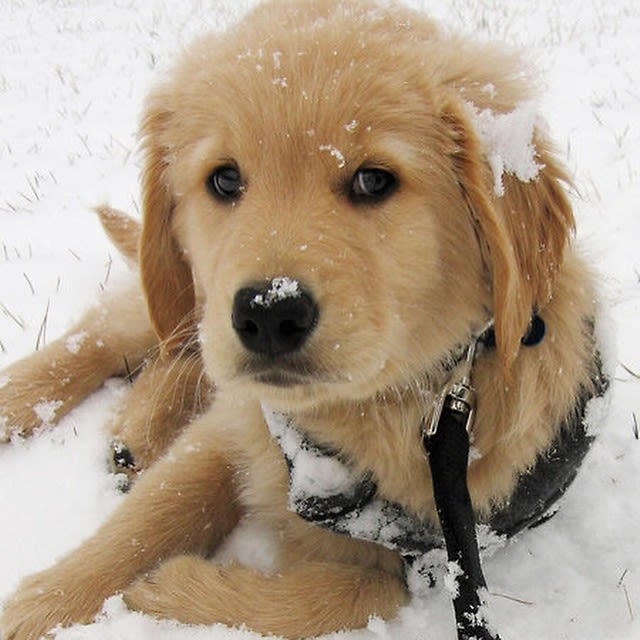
(275, 320)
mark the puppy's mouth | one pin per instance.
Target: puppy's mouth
(282, 379)
(282, 373)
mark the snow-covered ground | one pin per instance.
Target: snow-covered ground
(73, 74)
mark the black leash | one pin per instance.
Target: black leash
(446, 440)
(448, 451)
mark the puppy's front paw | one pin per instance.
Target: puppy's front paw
(35, 392)
(21, 413)
(41, 603)
(165, 396)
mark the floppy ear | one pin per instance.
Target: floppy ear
(524, 232)
(166, 276)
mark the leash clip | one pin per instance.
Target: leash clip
(458, 395)
(462, 399)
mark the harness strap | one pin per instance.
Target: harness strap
(448, 453)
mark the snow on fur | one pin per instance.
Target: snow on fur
(509, 142)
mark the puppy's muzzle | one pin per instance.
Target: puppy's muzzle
(274, 321)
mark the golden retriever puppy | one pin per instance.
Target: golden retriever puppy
(330, 222)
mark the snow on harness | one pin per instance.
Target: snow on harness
(326, 490)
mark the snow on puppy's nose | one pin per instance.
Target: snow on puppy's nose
(275, 320)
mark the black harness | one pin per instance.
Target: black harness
(326, 490)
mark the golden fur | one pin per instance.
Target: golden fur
(300, 95)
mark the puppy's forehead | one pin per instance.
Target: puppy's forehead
(317, 85)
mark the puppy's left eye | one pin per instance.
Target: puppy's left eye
(372, 184)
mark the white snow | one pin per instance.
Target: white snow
(312, 474)
(280, 288)
(454, 571)
(252, 544)
(335, 153)
(46, 410)
(352, 126)
(72, 79)
(508, 141)
(74, 342)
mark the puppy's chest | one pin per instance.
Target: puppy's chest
(328, 490)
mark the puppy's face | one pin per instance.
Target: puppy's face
(312, 186)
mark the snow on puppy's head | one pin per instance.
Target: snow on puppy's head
(508, 140)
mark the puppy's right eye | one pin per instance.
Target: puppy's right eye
(225, 183)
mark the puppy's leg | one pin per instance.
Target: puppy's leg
(109, 340)
(306, 600)
(185, 503)
(167, 395)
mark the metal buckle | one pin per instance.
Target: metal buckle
(458, 394)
